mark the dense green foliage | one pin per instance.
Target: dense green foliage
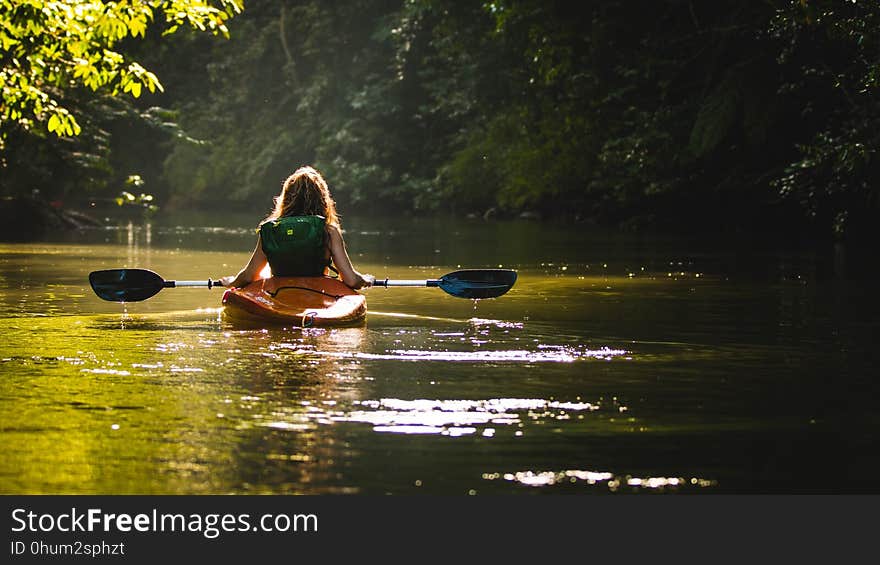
(61, 59)
(671, 112)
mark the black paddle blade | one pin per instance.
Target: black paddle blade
(125, 285)
(478, 283)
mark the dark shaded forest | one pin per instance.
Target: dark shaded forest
(670, 114)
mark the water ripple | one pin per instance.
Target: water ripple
(443, 417)
(612, 481)
(543, 354)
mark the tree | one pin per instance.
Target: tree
(51, 48)
(832, 55)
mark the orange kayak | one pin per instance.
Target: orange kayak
(303, 301)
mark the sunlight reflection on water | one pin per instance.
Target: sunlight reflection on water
(612, 481)
(444, 417)
(557, 354)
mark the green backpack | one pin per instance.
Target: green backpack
(295, 246)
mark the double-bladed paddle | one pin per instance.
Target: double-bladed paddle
(134, 285)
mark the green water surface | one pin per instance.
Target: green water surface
(616, 364)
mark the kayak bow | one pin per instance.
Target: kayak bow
(303, 301)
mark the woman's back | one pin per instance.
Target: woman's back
(296, 246)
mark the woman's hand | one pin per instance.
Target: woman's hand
(368, 280)
(226, 281)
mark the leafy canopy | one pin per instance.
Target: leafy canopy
(53, 46)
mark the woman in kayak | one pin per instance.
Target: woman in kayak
(301, 237)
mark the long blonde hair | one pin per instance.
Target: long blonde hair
(305, 193)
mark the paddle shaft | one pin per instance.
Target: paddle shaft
(210, 283)
(390, 282)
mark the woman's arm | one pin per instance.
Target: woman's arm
(342, 262)
(251, 271)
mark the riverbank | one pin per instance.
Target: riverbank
(26, 218)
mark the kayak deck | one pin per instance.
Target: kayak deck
(303, 301)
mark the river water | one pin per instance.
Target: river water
(616, 364)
